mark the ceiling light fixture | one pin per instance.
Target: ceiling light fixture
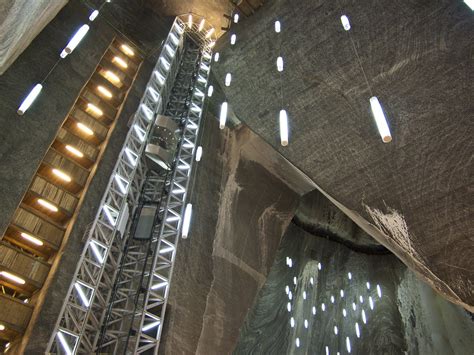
(127, 50)
(228, 79)
(345, 22)
(104, 92)
(187, 220)
(12, 277)
(62, 175)
(74, 151)
(223, 115)
(201, 25)
(93, 15)
(236, 18)
(112, 77)
(277, 26)
(85, 129)
(120, 62)
(199, 153)
(31, 239)
(47, 205)
(380, 120)
(280, 64)
(283, 128)
(470, 3)
(233, 39)
(25, 105)
(75, 40)
(94, 109)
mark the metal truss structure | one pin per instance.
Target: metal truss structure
(117, 299)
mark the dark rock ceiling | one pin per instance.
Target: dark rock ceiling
(417, 190)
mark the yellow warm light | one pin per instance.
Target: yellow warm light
(210, 32)
(113, 78)
(74, 151)
(2, 327)
(201, 25)
(12, 277)
(94, 109)
(104, 91)
(120, 62)
(127, 50)
(85, 129)
(31, 239)
(62, 175)
(47, 205)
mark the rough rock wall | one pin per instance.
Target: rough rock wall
(243, 202)
(408, 317)
(417, 56)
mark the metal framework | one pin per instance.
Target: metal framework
(117, 299)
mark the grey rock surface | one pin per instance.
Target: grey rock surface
(417, 56)
(20, 23)
(242, 207)
(407, 317)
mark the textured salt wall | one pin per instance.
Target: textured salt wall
(242, 207)
(408, 317)
(417, 56)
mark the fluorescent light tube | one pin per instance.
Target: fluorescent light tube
(228, 79)
(380, 119)
(25, 105)
(284, 128)
(223, 115)
(93, 15)
(345, 22)
(280, 64)
(277, 26)
(75, 40)
(187, 220)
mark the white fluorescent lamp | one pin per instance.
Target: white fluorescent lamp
(210, 91)
(344, 312)
(187, 220)
(313, 310)
(64, 343)
(228, 79)
(216, 57)
(161, 78)
(153, 93)
(169, 50)
(121, 183)
(199, 153)
(348, 344)
(75, 40)
(81, 293)
(151, 326)
(357, 329)
(223, 115)
(323, 307)
(233, 39)
(93, 15)
(336, 330)
(165, 63)
(349, 275)
(147, 111)
(236, 18)
(277, 26)
(379, 291)
(12, 277)
(280, 64)
(190, 20)
(210, 32)
(320, 266)
(25, 105)
(284, 128)
(470, 3)
(31, 239)
(364, 318)
(288, 306)
(95, 250)
(327, 350)
(140, 132)
(371, 302)
(174, 39)
(297, 342)
(345, 22)
(380, 119)
(292, 322)
(201, 25)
